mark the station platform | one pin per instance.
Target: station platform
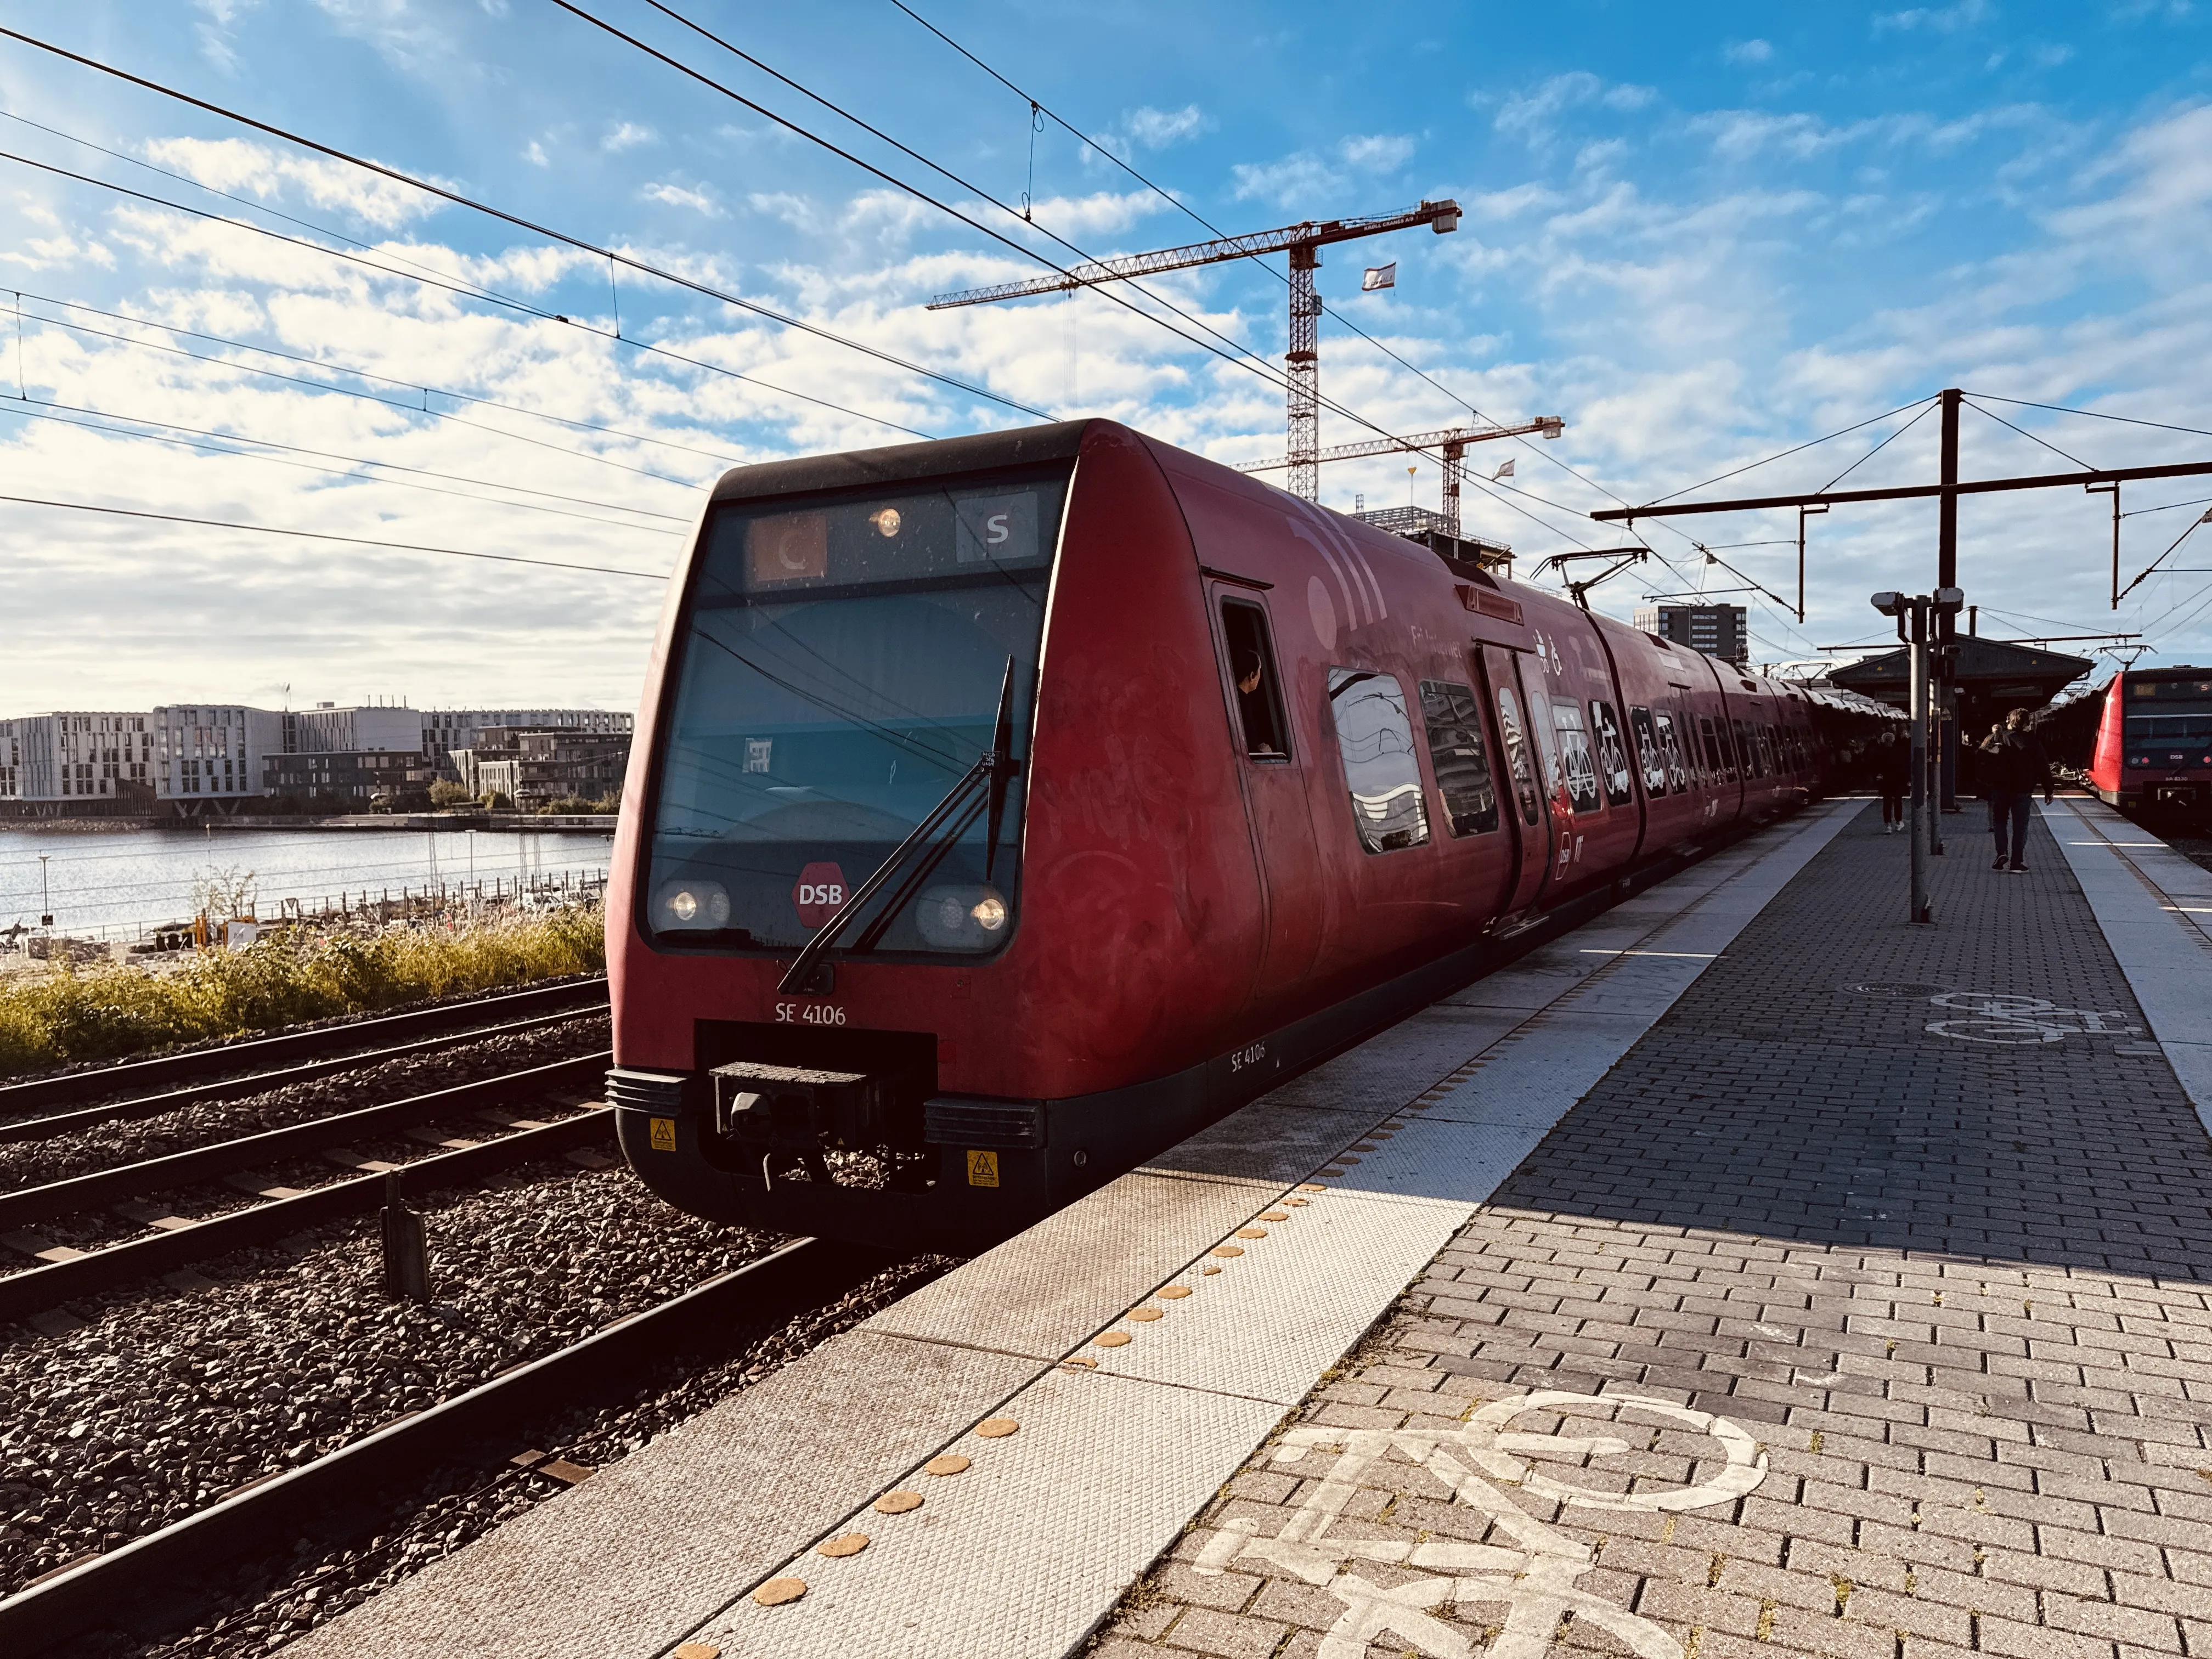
(1747, 1270)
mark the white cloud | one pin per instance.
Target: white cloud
(239, 164)
(1532, 115)
(698, 200)
(1748, 52)
(1381, 152)
(626, 135)
(1154, 129)
(1942, 20)
(536, 155)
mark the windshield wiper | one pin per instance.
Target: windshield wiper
(934, 835)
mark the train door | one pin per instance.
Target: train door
(1275, 791)
(1519, 780)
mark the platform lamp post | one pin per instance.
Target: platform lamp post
(45, 894)
(1919, 617)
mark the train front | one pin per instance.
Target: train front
(846, 1004)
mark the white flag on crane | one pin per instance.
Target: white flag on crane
(1379, 277)
(1504, 471)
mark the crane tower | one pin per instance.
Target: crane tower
(1304, 242)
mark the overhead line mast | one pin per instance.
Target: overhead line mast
(1303, 242)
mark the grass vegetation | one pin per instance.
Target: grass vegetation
(111, 1010)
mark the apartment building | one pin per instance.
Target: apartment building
(212, 756)
(1719, 631)
(78, 755)
(445, 730)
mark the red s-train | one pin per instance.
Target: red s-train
(2153, 750)
(1182, 783)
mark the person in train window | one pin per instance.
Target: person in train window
(1893, 771)
(1256, 704)
(2013, 767)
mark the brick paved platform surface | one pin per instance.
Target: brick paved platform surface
(1904, 1234)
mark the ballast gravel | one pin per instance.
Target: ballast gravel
(316, 1590)
(464, 1059)
(169, 1398)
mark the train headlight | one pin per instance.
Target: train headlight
(696, 905)
(970, 917)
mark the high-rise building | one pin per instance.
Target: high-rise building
(444, 730)
(1719, 631)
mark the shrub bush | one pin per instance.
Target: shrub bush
(111, 1009)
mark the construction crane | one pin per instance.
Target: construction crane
(1303, 243)
(1452, 441)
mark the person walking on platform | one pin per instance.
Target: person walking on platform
(1892, 761)
(2014, 769)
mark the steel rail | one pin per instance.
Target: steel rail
(223, 1157)
(41, 1288)
(154, 1585)
(165, 1069)
(255, 1083)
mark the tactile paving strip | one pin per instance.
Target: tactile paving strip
(1024, 1551)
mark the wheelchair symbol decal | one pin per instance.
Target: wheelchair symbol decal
(1532, 1577)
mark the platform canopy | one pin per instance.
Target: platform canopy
(1994, 677)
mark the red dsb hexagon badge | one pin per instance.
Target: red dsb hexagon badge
(820, 890)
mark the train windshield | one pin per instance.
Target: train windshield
(842, 663)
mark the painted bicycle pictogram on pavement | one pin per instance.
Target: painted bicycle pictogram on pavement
(1996, 1017)
(1533, 1576)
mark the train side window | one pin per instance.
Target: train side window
(1674, 774)
(1259, 692)
(1577, 766)
(1517, 754)
(1649, 755)
(1456, 755)
(1612, 754)
(1745, 751)
(1380, 769)
(1716, 771)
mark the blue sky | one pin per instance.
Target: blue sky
(1701, 235)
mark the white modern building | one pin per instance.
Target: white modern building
(444, 730)
(78, 755)
(214, 752)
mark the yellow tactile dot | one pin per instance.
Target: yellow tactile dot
(950, 1463)
(1113, 1340)
(696, 1650)
(777, 1591)
(1251, 1232)
(1378, 1134)
(1209, 1272)
(837, 1549)
(897, 1503)
(1342, 1159)
(996, 1428)
(1308, 1186)
(1145, 1316)
(1087, 1364)
(1227, 1249)
(1173, 1292)
(1275, 1215)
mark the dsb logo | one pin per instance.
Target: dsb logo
(820, 891)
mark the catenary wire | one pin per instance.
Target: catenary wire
(34, 410)
(486, 296)
(350, 391)
(387, 379)
(1235, 352)
(2029, 436)
(610, 254)
(1876, 451)
(325, 536)
(2091, 414)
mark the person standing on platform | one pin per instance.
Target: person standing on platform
(2013, 767)
(1892, 774)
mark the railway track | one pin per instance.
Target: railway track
(166, 1581)
(160, 1085)
(178, 1241)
